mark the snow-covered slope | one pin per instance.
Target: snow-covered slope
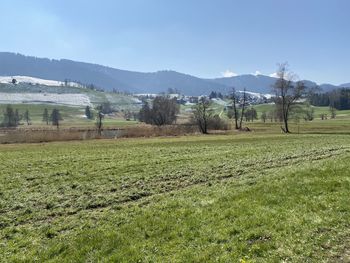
(64, 99)
(34, 81)
(258, 95)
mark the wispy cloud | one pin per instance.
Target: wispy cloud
(228, 74)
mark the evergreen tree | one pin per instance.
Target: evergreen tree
(9, 117)
(88, 113)
(46, 117)
(27, 117)
(56, 117)
(17, 117)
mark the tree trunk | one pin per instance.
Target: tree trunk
(241, 120)
(236, 113)
(285, 115)
(286, 130)
(205, 130)
(243, 108)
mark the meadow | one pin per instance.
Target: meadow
(73, 116)
(243, 197)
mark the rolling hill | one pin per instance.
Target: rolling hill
(104, 77)
(109, 79)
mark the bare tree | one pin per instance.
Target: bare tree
(202, 114)
(251, 115)
(164, 111)
(100, 116)
(243, 108)
(234, 105)
(288, 92)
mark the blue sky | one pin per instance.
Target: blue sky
(199, 37)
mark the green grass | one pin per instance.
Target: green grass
(72, 116)
(258, 197)
(317, 111)
(36, 111)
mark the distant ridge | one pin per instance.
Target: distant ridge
(12, 64)
(345, 85)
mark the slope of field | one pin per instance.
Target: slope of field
(49, 98)
(70, 100)
(317, 111)
(44, 93)
(34, 81)
(73, 116)
(261, 198)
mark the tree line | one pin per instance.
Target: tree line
(12, 117)
(289, 100)
(338, 99)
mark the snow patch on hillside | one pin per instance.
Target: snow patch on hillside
(219, 101)
(257, 95)
(64, 99)
(34, 81)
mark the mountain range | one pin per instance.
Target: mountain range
(107, 78)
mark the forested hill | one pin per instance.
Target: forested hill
(108, 78)
(339, 99)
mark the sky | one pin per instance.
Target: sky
(204, 38)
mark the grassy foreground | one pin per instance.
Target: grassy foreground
(247, 197)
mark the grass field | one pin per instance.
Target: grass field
(119, 101)
(72, 116)
(247, 197)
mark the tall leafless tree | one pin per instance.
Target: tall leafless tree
(202, 114)
(243, 108)
(288, 91)
(234, 105)
(99, 119)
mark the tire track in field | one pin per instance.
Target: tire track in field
(178, 182)
(138, 190)
(141, 189)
